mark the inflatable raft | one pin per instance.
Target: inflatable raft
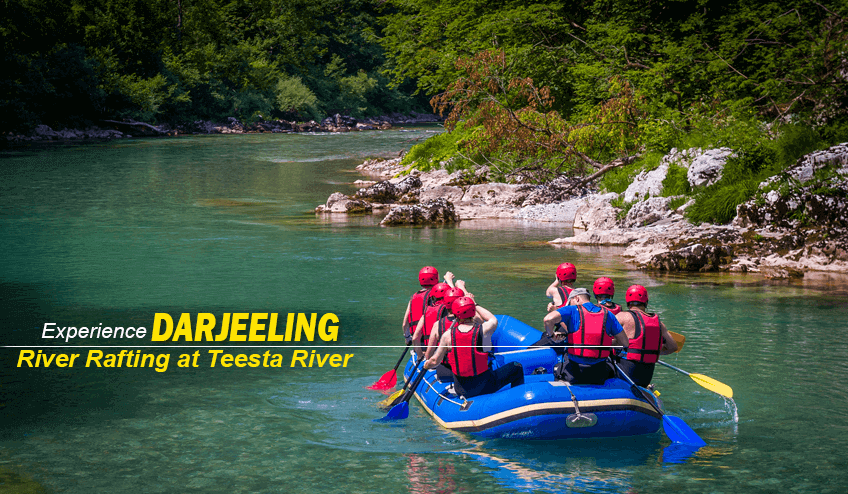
(542, 408)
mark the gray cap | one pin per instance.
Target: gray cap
(578, 291)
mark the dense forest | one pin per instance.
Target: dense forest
(530, 89)
(73, 62)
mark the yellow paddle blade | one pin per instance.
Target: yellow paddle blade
(713, 385)
(390, 400)
(679, 339)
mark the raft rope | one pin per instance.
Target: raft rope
(440, 394)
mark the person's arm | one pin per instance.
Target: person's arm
(614, 329)
(449, 276)
(444, 347)
(433, 344)
(551, 320)
(405, 326)
(461, 285)
(669, 345)
(553, 293)
(416, 337)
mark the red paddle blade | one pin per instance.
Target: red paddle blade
(388, 381)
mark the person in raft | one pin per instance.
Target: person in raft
(585, 324)
(604, 290)
(648, 337)
(443, 370)
(566, 275)
(427, 277)
(467, 343)
(433, 312)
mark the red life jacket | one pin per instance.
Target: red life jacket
(431, 316)
(591, 332)
(564, 292)
(417, 304)
(444, 322)
(611, 306)
(647, 342)
(467, 358)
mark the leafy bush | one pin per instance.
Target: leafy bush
(293, 96)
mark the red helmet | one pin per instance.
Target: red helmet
(636, 293)
(451, 295)
(603, 286)
(566, 272)
(438, 291)
(428, 276)
(464, 307)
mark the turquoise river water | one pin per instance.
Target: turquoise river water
(108, 234)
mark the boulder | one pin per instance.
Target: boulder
(647, 212)
(596, 213)
(497, 194)
(706, 168)
(45, 132)
(340, 203)
(449, 192)
(435, 212)
(387, 191)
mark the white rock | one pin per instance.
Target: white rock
(706, 169)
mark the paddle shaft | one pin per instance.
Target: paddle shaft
(673, 367)
(411, 390)
(402, 355)
(637, 390)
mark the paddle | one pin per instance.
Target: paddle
(675, 428)
(705, 381)
(394, 397)
(401, 410)
(389, 379)
(679, 339)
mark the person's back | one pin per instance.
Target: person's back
(590, 333)
(648, 337)
(466, 345)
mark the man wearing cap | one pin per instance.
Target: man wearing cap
(590, 332)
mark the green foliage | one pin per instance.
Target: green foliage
(618, 179)
(624, 207)
(677, 202)
(443, 147)
(294, 97)
(676, 182)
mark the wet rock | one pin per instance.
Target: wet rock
(44, 132)
(435, 212)
(387, 191)
(340, 203)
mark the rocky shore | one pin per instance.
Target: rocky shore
(115, 129)
(796, 222)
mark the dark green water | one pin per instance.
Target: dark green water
(112, 233)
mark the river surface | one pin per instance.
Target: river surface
(108, 234)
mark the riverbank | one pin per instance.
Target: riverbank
(115, 129)
(796, 222)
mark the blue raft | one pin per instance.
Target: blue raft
(542, 408)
